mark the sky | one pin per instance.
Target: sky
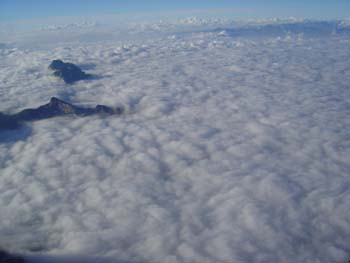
(13, 10)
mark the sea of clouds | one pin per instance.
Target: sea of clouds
(232, 148)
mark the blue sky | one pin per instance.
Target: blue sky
(12, 10)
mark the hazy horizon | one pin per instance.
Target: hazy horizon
(20, 10)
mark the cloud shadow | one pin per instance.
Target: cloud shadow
(14, 135)
(42, 258)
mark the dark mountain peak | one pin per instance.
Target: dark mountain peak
(56, 101)
(57, 64)
(61, 106)
(67, 71)
(102, 109)
(54, 108)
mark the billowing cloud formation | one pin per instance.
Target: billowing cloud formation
(229, 151)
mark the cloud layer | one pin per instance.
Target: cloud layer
(230, 150)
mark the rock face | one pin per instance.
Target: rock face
(54, 108)
(8, 258)
(67, 71)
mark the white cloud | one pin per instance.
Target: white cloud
(229, 151)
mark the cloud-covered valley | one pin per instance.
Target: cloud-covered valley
(231, 149)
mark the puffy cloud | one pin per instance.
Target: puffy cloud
(229, 151)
